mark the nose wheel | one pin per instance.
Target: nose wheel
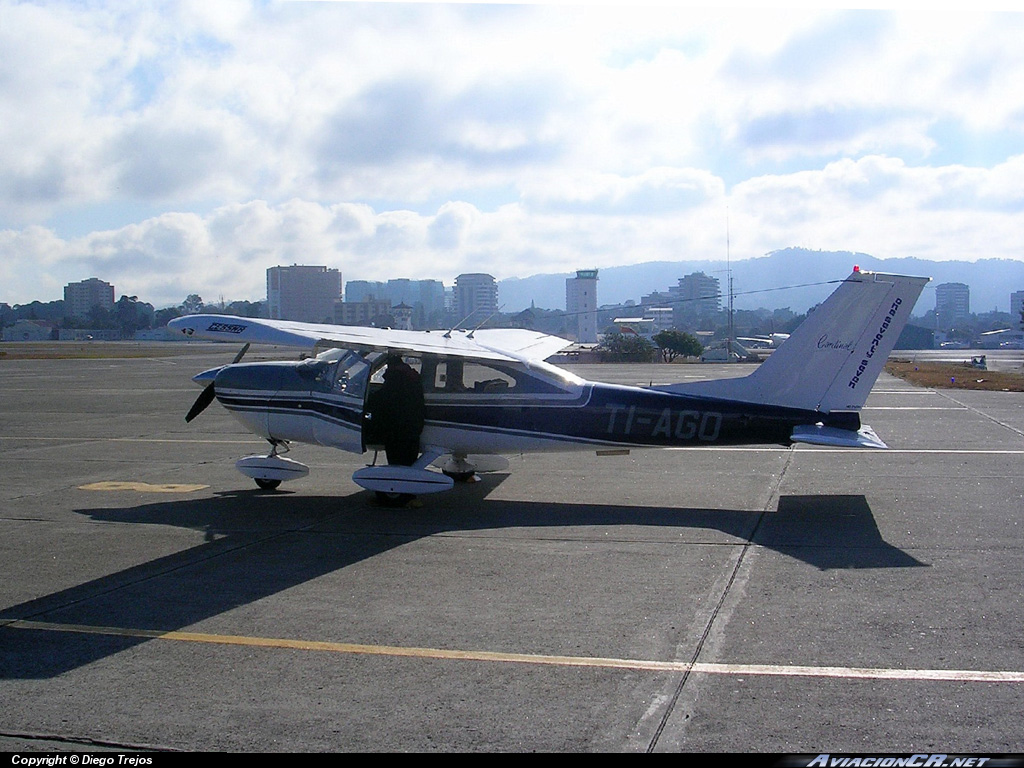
(270, 471)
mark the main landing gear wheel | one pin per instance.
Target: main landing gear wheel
(267, 485)
(461, 469)
(461, 477)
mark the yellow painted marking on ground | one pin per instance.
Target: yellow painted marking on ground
(116, 485)
(861, 673)
(81, 439)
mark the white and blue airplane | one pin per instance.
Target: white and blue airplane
(489, 392)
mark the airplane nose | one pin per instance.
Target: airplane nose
(206, 377)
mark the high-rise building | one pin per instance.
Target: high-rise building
(424, 297)
(697, 299)
(952, 305)
(80, 297)
(581, 304)
(303, 293)
(1017, 309)
(364, 290)
(476, 295)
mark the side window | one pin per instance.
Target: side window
(377, 379)
(458, 376)
(448, 376)
(485, 378)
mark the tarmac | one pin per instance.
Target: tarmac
(794, 600)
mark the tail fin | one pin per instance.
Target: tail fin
(831, 361)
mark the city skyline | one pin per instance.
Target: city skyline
(682, 306)
(183, 147)
(433, 295)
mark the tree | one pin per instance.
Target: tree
(132, 315)
(163, 316)
(674, 343)
(193, 304)
(98, 317)
(627, 348)
(245, 308)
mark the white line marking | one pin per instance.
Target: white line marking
(850, 451)
(911, 408)
(911, 392)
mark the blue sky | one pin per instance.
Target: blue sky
(184, 147)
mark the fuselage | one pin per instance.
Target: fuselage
(492, 407)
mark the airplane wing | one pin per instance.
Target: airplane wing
(490, 344)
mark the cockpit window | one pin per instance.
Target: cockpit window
(351, 375)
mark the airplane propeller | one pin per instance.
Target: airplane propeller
(208, 394)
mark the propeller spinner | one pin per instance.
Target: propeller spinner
(209, 393)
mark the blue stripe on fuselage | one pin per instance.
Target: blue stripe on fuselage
(604, 414)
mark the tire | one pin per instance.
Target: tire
(267, 485)
(460, 477)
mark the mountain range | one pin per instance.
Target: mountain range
(797, 278)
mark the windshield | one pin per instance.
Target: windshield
(347, 376)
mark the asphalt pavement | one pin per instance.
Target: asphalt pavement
(760, 599)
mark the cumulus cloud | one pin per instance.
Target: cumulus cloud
(451, 226)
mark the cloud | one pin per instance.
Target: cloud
(209, 141)
(451, 227)
(653, 193)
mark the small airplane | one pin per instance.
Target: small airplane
(488, 392)
(769, 341)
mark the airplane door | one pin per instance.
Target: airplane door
(372, 438)
(338, 394)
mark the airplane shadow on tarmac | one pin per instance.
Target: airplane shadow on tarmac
(259, 544)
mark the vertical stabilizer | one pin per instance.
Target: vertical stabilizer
(832, 360)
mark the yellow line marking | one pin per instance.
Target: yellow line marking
(115, 485)
(863, 673)
(128, 440)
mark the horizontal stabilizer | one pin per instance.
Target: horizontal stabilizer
(818, 434)
(398, 479)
